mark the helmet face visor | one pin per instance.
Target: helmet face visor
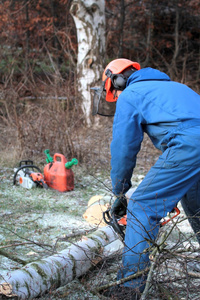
(100, 106)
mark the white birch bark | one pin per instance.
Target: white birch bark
(89, 18)
(57, 270)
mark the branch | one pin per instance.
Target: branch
(15, 245)
(13, 257)
(72, 235)
(118, 282)
(44, 246)
(192, 274)
(153, 264)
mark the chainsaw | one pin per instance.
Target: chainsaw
(119, 225)
(28, 175)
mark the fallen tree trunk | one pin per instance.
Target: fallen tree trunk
(57, 270)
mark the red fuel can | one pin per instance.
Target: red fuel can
(58, 174)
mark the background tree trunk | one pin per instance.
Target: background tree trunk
(89, 17)
(121, 33)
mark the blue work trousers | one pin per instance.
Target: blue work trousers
(175, 176)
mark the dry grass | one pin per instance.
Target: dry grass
(30, 126)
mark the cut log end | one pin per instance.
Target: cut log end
(6, 290)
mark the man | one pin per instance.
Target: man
(169, 112)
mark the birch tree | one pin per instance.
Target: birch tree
(89, 18)
(57, 270)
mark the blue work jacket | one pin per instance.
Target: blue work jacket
(151, 103)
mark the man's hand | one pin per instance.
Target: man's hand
(119, 206)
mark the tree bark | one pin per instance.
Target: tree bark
(121, 26)
(57, 270)
(89, 18)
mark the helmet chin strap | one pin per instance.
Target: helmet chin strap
(117, 93)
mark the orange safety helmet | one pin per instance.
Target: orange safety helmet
(115, 67)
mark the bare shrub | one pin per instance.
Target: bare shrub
(173, 270)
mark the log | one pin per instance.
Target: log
(39, 277)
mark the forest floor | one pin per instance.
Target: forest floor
(35, 223)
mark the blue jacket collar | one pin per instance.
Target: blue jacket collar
(147, 74)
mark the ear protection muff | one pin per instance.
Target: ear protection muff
(118, 80)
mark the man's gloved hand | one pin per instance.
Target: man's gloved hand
(119, 207)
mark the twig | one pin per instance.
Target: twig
(192, 274)
(69, 236)
(177, 254)
(15, 245)
(136, 275)
(13, 257)
(167, 293)
(28, 240)
(76, 234)
(153, 264)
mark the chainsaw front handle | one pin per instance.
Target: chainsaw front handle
(111, 220)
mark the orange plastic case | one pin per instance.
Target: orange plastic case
(57, 176)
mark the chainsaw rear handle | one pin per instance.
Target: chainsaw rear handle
(120, 225)
(122, 221)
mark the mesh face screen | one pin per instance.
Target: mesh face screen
(100, 105)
